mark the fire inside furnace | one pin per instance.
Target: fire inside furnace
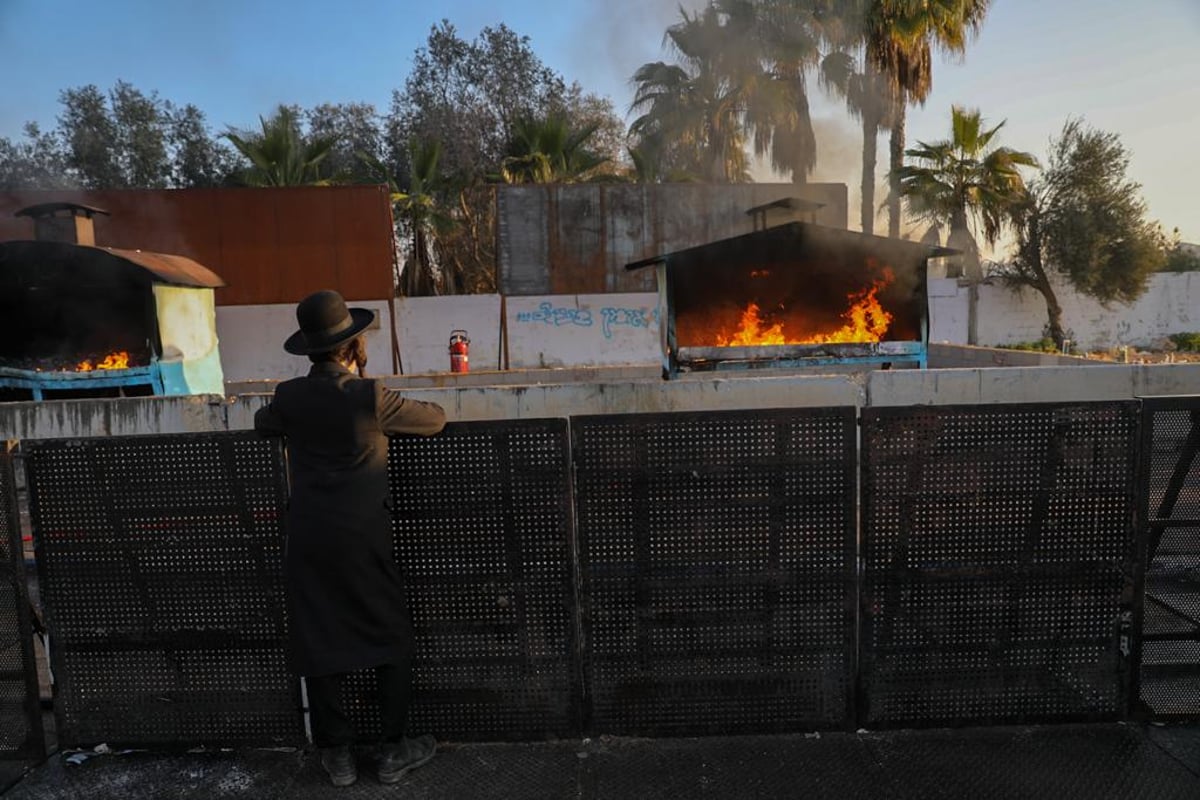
(791, 296)
(117, 360)
(864, 320)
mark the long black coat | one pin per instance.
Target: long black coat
(345, 596)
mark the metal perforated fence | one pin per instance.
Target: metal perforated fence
(717, 562)
(644, 574)
(159, 567)
(998, 554)
(482, 524)
(1169, 655)
(20, 711)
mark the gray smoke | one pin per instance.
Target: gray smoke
(839, 160)
(619, 36)
(624, 34)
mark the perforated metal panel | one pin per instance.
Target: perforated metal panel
(998, 552)
(20, 714)
(717, 563)
(160, 572)
(482, 526)
(1169, 673)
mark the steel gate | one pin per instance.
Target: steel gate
(1168, 652)
(481, 519)
(999, 558)
(717, 556)
(159, 567)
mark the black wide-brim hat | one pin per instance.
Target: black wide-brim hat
(325, 323)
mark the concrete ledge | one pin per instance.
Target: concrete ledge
(1029, 384)
(524, 377)
(629, 394)
(58, 419)
(491, 403)
(959, 356)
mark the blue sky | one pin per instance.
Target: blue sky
(1128, 67)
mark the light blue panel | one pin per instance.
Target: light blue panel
(173, 379)
(194, 376)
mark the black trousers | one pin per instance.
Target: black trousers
(330, 725)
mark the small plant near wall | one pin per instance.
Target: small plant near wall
(1187, 342)
(1043, 345)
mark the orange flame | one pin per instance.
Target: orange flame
(117, 360)
(752, 331)
(866, 321)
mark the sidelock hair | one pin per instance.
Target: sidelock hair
(353, 351)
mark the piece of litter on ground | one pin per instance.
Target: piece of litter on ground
(80, 756)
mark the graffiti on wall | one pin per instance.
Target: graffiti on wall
(610, 317)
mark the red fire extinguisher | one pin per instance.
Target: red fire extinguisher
(460, 351)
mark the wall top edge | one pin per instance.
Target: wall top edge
(189, 414)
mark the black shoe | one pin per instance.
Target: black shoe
(396, 759)
(339, 763)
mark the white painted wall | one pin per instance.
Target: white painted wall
(252, 340)
(622, 329)
(1171, 304)
(947, 311)
(424, 325)
(583, 330)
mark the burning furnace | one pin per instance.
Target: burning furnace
(794, 295)
(77, 320)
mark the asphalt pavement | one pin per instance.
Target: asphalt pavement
(1060, 762)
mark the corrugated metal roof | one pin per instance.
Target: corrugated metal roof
(162, 267)
(168, 268)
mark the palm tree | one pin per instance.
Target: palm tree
(547, 150)
(279, 155)
(418, 214)
(783, 40)
(691, 111)
(899, 36)
(965, 182)
(739, 82)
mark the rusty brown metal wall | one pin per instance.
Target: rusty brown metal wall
(577, 238)
(270, 245)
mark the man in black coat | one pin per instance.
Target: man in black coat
(346, 603)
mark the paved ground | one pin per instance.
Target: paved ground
(1092, 762)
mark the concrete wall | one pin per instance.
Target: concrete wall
(611, 329)
(251, 341)
(132, 416)
(1171, 304)
(423, 325)
(583, 330)
(549, 331)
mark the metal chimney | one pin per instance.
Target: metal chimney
(63, 222)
